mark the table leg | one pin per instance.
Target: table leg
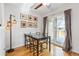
(25, 40)
(37, 47)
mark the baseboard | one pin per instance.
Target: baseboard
(18, 45)
(15, 46)
(75, 51)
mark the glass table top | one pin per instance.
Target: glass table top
(37, 36)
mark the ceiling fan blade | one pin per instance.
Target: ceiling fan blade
(38, 6)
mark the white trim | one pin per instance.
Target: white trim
(18, 46)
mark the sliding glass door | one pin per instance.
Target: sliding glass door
(60, 30)
(56, 29)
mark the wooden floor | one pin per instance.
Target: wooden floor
(23, 51)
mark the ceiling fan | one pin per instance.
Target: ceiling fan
(42, 4)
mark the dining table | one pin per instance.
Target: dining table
(40, 38)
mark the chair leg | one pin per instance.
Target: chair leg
(30, 47)
(41, 48)
(27, 46)
(46, 45)
(33, 50)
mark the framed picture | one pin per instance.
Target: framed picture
(35, 18)
(23, 16)
(23, 24)
(34, 25)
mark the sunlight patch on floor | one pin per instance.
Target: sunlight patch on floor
(56, 51)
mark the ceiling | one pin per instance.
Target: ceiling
(41, 10)
(46, 9)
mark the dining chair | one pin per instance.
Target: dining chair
(27, 41)
(44, 44)
(35, 45)
(31, 43)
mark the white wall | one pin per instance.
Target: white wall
(18, 33)
(0, 14)
(2, 42)
(2, 32)
(74, 22)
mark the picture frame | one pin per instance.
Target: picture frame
(23, 24)
(23, 16)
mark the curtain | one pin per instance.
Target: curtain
(68, 39)
(44, 25)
